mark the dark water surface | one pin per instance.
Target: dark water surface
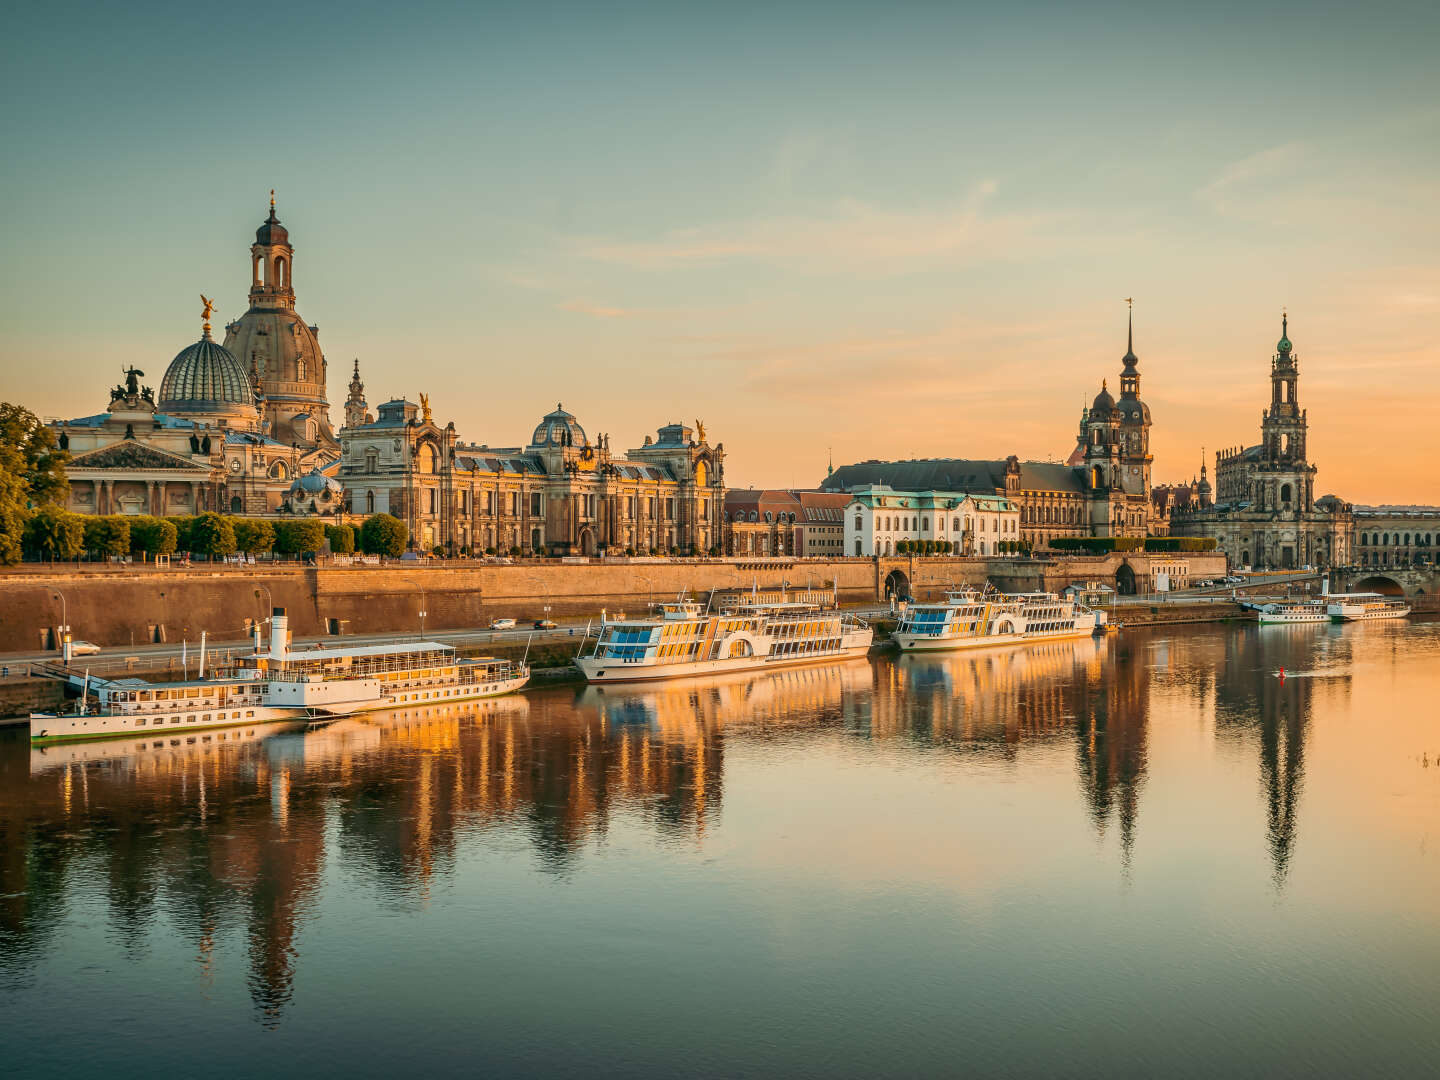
(1142, 856)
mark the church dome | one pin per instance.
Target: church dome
(316, 484)
(558, 428)
(206, 378)
(1103, 403)
(271, 231)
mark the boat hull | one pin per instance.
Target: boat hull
(927, 643)
(1367, 616)
(609, 671)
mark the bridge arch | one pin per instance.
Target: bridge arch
(1125, 580)
(1380, 583)
(897, 585)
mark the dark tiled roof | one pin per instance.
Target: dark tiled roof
(954, 474)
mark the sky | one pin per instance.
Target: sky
(848, 230)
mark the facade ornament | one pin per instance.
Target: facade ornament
(699, 432)
(205, 315)
(425, 407)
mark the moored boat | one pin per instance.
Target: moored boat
(967, 619)
(282, 683)
(755, 634)
(1362, 607)
(1305, 611)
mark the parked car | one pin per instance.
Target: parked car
(545, 624)
(83, 648)
(502, 624)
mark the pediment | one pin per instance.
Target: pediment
(132, 455)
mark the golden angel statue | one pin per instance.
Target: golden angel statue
(425, 407)
(699, 432)
(209, 307)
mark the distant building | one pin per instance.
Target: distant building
(1264, 512)
(765, 521)
(1103, 488)
(1397, 535)
(560, 494)
(878, 518)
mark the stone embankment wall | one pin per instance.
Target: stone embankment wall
(138, 606)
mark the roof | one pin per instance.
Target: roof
(367, 650)
(162, 420)
(954, 474)
(250, 438)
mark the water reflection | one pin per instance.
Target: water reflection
(229, 832)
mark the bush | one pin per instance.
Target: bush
(342, 540)
(383, 534)
(54, 534)
(515, 551)
(107, 535)
(300, 536)
(490, 551)
(253, 535)
(151, 536)
(1181, 543)
(213, 535)
(1097, 545)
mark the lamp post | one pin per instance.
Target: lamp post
(64, 627)
(422, 611)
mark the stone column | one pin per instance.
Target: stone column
(194, 497)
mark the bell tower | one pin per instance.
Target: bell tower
(355, 415)
(1284, 480)
(271, 261)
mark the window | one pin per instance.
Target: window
(535, 503)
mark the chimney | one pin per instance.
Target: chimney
(279, 633)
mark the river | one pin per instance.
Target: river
(1148, 854)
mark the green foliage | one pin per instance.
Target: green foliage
(383, 534)
(489, 551)
(152, 536)
(515, 551)
(213, 535)
(55, 534)
(108, 535)
(13, 512)
(1097, 545)
(342, 539)
(41, 464)
(254, 536)
(301, 536)
(183, 539)
(1181, 543)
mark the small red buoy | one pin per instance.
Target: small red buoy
(1282, 674)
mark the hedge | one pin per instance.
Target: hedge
(1181, 543)
(1097, 545)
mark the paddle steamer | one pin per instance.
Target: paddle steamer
(1360, 607)
(971, 620)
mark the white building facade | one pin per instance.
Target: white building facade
(878, 518)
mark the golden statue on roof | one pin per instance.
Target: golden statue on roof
(425, 407)
(699, 432)
(209, 307)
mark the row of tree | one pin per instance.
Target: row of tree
(56, 534)
(1100, 545)
(32, 474)
(945, 547)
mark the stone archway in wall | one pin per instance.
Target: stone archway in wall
(1125, 580)
(897, 585)
(1381, 584)
(587, 541)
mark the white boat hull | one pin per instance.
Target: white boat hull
(1274, 617)
(615, 671)
(1345, 614)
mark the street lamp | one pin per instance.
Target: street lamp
(422, 612)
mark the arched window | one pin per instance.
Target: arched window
(1285, 490)
(369, 502)
(955, 525)
(924, 524)
(279, 280)
(1407, 539)
(1385, 539)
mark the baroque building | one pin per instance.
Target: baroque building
(761, 521)
(560, 494)
(1264, 511)
(1102, 489)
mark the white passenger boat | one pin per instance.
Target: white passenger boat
(1304, 611)
(970, 620)
(282, 683)
(1358, 607)
(751, 634)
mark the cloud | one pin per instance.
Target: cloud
(1238, 176)
(852, 235)
(594, 310)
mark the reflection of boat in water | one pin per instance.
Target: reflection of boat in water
(742, 696)
(282, 683)
(970, 620)
(1057, 656)
(751, 634)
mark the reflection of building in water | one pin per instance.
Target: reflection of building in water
(1111, 744)
(990, 699)
(1254, 705)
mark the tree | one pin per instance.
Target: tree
(13, 513)
(383, 534)
(212, 535)
(54, 534)
(105, 536)
(342, 539)
(183, 526)
(300, 536)
(253, 535)
(42, 463)
(152, 536)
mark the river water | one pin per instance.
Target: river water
(1145, 855)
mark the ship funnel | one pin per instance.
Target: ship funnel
(279, 633)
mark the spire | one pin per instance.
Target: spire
(1283, 346)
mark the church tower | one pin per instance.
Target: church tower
(1103, 465)
(273, 340)
(1136, 458)
(355, 414)
(1285, 479)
